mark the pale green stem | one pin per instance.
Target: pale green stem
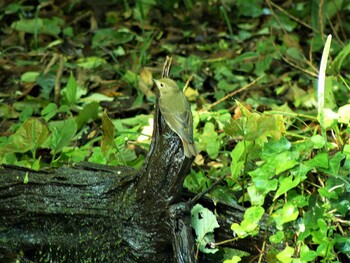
(321, 86)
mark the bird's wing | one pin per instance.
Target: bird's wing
(180, 122)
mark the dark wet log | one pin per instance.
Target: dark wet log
(98, 213)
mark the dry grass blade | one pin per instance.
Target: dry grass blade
(166, 67)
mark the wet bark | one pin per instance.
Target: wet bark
(99, 213)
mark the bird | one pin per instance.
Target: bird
(177, 113)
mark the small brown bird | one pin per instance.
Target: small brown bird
(177, 113)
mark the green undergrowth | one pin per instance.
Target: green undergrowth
(77, 86)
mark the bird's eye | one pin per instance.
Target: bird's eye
(162, 85)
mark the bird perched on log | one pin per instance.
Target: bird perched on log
(177, 113)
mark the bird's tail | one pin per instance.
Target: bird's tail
(189, 149)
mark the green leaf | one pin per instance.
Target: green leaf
(289, 213)
(36, 164)
(326, 248)
(320, 161)
(210, 140)
(285, 256)
(338, 61)
(234, 259)
(107, 141)
(26, 178)
(272, 148)
(49, 111)
(286, 161)
(318, 141)
(258, 191)
(334, 7)
(196, 182)
(255, 127)
(329, 99)
(344, 114)
(71, 90)
(89, 112)
(277, 238)
(237, 161)
(320, 235)
(264, 185)
(75, 154)
(295, 53)
(288, 182)
(62, 134)
(204, 222)
(29, 76)
(276, 164)
(39, 25)
(342, 243)
(251, 8)
(298, 200)
(12, 8)
(249, 225)
(30, 136)
(97, 156)
(91, 62)
(235, 128)
(315, 212)
(334, 164)
(110, 37)
(307, 255)
(266, 170)
(330, 117)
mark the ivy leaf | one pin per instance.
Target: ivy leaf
(258, 191)
(255, 127)
(288, 213)
(307, 255)
(249, 225)
(210, 140)
(277, 237)
(288, 182)
(237, 161)
(234, 259)
(342, 243)
(272, 148)
(204, 222)
(285, 256)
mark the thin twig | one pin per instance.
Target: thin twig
(234, 93)
(52, 62)
(320, 17)
(58, 79)
(200, 195)
(298, 67)
(270, 3)
(187, 83)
